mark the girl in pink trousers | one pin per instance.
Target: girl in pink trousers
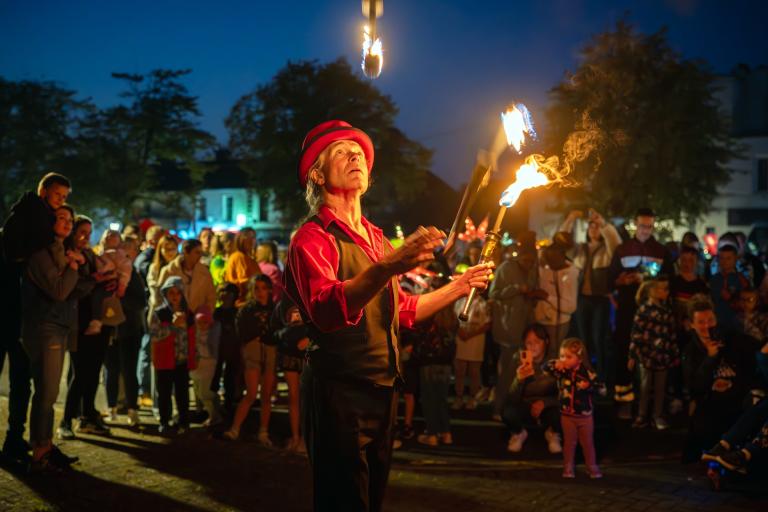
(576, 383)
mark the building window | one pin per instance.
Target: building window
(762, 175)
(249, 203)
(264, 208)
(202, 209)
(227, 207)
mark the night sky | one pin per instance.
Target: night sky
(450, 66)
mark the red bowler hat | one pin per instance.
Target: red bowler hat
(322, 135)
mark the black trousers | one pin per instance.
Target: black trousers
(173, 382)
(348, 430)
(122, 359)
(19, 373)
(84, 373)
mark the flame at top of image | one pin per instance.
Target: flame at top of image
(517, 123)
(373, 56)
(528, 176)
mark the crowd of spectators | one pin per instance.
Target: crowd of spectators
(652, 331)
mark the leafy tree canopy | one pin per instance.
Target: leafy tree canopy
(640, 126)
(267, 126)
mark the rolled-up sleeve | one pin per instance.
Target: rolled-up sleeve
(311, 280)
(407, 313)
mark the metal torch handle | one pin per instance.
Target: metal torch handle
(464, 315)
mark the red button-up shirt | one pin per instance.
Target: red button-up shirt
(313, 264)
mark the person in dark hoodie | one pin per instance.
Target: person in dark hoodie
(28, 229)
(50, 288)
(172, 330)
(292, 338)
(718, 369)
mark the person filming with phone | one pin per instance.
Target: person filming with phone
(533, 396)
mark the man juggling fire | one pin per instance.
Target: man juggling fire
(342, 273)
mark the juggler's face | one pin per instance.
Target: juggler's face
(346, 169)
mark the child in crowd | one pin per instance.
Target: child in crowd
(259, 355)
(433, 351)
(576, 383)
(229, 362)
(470, 348)
(207, 339)
(292, 338)
(654, 346)
(753, 321)
(172, 331)
(110, 258)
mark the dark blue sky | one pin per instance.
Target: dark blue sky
(451, 66)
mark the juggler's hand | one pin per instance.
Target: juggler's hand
(476, 277)
(416, 250)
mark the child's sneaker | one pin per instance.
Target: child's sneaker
(553, 441)
(264, 438)
(231, 435)
(569, 473)
(446, 438)
(407, 432)
(94, 327)
(458, 403)
(65, 433)
(516, 441)
(735, 460)
(595, 473)
(675, 406)
(715, 452)
(427, 439)
(133, 417)
(640, 422)
(112, 415)
(660, 423)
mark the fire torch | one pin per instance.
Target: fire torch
(517, 123)
(373, 58)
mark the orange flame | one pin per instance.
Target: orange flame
(528, 176)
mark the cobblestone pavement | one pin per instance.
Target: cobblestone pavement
(138, 470)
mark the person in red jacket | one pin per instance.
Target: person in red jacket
(342, 273)
(172, 330)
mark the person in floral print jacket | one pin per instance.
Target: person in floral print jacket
(576, 382)
(654, 346)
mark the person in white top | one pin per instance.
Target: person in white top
(470, 345)
(559, 278)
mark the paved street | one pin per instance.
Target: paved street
(138, 470)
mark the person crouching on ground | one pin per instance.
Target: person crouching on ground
(576, 383)
(49, 299)
(533, 393)
(172, 330)
(259, 355)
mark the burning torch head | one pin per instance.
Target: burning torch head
(373, 57)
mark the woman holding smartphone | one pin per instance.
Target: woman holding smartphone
(533, 394)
